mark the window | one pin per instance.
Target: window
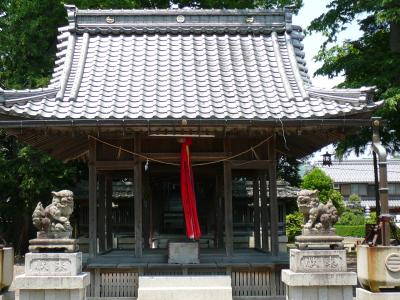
(345, 189)
(359, 189)
(371, 190)
(394, 188)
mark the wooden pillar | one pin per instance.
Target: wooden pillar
(92, 199)
(264, 211)
(228, 208)
(273, 196)
(138, 198)
(101, 218)
(256, 206)
(108, 202)
(219, 219)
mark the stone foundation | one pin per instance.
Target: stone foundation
(362, 294)
(54, 275)
(318, 274)
(184, 288)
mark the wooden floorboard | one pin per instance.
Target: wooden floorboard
(212, 258)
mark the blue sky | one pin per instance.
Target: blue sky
(311, 10)
(312, 43)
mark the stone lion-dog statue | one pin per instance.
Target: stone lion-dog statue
(53, 221)
(317, 216)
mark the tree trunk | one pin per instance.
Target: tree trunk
(395, 37)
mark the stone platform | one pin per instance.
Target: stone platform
(318, 274)
(184, 287)
(52, 275)
(362, 294)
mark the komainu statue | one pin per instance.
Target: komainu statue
(318, 221)
(316, 215)
(53, 221)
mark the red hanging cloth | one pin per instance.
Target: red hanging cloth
(187, 192)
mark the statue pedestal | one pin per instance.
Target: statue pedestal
(318, 274)
(55, 275)
(183, 253)
(362, 294)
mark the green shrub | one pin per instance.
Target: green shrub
(317, 179)
(354, 204)
(350, 230)
(350, 218)
(372, 218)
(293, 225)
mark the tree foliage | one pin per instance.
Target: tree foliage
(316, 179)
(27, 176)
(288, 170)
(371, 60)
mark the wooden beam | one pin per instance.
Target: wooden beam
(273, 197)
(92, 199)
(264, 211)
(138, 198)
(256, 205)
(261, 164)
(113, 165)
(101, 220)
(195, 156)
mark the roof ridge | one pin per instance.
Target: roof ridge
(178, 20)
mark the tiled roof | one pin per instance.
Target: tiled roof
(371, 203)
(244, 188)
(360, 171)
(208, 64)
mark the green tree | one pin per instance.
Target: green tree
(27, 176)
(316, 179)
(371, 60)
(288, 170)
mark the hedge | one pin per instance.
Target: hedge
(350, 230)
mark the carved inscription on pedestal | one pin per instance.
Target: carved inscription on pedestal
(329, 263)
(54, 266)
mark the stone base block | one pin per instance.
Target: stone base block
(291, 278)
(53, 264)
(7, 296)
(315, 286)
(319, 292)
(6, 267)
(319, 242)
(184, 287)
(312, 261)
(183, 253)
(24, 282)
(53, 245)
(74, 294)
(362, 294)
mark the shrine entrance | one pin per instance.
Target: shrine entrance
(164, 220)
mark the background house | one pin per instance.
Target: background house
(357, 177)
